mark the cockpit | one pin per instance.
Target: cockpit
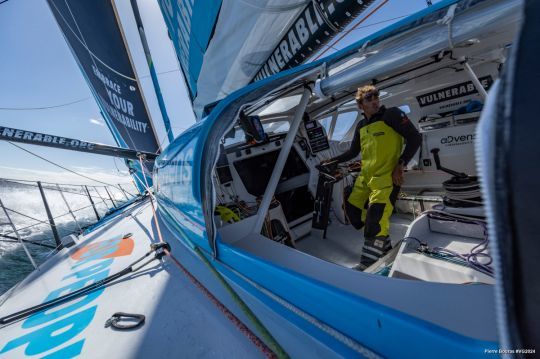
(270, 162)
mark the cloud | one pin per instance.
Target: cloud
(97, 122)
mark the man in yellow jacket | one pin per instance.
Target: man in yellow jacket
(379, 138)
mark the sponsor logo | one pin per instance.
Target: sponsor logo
(309, 32)
(452, 92)
(12, 133)
(52, 329)
(124, 247)
(451, 140)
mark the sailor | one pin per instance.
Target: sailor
(379, 137)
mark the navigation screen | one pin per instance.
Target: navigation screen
(255, 171)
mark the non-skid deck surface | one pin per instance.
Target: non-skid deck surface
(343, 244)
(181, 322)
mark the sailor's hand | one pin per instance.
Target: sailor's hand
(397, 174)
(323, 164)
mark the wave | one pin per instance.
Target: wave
(27, 211)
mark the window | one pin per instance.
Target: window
(344, 122)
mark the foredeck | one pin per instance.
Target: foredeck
(181, 321)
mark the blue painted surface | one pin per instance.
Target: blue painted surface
(369, 323)
(52, 328)
(177, 183)
(191, 25)
(382, 329)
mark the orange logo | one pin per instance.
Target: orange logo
(105, 249)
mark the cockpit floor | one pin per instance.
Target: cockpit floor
(343, 244)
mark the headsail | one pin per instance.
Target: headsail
(224, 45)
(96, 40)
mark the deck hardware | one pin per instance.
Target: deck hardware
(134, 320)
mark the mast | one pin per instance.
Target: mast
(153, 74)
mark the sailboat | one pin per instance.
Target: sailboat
(234, 252)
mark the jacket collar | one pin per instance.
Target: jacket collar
(377, 116)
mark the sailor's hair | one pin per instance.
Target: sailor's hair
(362, 91)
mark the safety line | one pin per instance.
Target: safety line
(62, 167)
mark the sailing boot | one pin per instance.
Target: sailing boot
(374, 249)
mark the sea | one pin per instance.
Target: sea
(27, 211)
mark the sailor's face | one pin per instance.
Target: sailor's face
(370, 104)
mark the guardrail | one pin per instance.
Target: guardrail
(111, 196)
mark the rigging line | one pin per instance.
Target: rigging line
(47, 223)
(369, 25)
(352, 28)
(230, 315)
(94, 56)
(382, 22)
(10, 240)
(323, 15)
(44, 107)
(27, 216)
(56, 164)
(159, 73)
(165, 136)
(274, 345)
(54, 183)
(133, 144)
(45, 187)
(276, 8)
(155, 253)
(117, 169)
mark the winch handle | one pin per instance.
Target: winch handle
(435, 152)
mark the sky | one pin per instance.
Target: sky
(37, 70)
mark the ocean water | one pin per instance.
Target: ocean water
(26, 199)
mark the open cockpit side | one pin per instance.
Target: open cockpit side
(269, 185)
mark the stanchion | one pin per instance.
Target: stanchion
(51, 219)
(110, 197)
(91, 201)
(124, 192)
